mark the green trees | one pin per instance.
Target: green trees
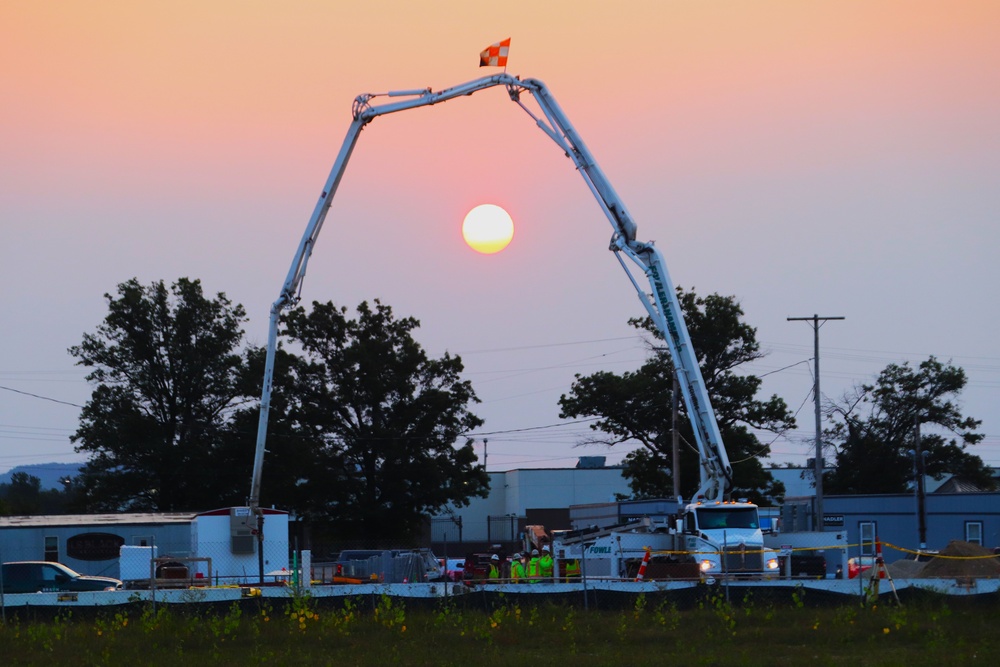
(167, 373)
(635, 406)
(382, 420)
(875, 429)
(363, 427)
(368, 434)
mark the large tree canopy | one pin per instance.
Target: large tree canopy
(167, 371)
(377, 423)
(364, 433)
(876, 425)
(635, 407)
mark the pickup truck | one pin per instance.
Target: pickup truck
(43, 576)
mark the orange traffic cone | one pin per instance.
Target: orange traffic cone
(642, 567)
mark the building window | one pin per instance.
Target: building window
(866, 536)
(974, 532)
(52, 548)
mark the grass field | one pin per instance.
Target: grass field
(299, 632)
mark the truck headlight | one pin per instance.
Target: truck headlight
(772, 563)
(707, 565)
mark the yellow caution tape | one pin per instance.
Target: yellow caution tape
(934, 555)
(831, 547)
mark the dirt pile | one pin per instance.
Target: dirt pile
(966, 561)
(906, 569)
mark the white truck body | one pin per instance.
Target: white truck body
(722, 538)
(607, 553)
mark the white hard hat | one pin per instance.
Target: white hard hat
(494, 557)
(545, 548)
(517, 556)
(534, 552)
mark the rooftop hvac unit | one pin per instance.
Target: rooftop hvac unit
(241, 530)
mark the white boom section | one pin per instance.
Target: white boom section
(663, 307)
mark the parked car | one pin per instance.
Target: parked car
(454, 569)
(860, 565)
(43, 576)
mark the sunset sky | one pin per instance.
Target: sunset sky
(839, 158)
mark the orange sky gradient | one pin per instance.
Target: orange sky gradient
(805, 156)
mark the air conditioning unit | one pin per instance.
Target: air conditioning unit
(242, 530)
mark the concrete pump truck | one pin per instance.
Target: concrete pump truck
(719, 535)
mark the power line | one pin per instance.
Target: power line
(784, 368)
(44, 398)
(530, 428)
(968, 362)
(559, 430)
(546, 345)
(35, 428)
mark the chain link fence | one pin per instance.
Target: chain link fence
(333, 572)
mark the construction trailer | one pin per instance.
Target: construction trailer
(218, 545)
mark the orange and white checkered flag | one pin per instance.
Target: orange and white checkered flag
(495, 55)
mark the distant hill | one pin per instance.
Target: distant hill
(48, 473)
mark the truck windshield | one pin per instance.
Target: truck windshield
(727, 517)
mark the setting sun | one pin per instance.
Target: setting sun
(488, 229)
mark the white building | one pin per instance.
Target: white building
(515, 492)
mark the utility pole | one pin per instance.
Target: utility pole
(919, 460)
(486, 441)
(818, 461)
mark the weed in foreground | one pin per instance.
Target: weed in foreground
(351, 632)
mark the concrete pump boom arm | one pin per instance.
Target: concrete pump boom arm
(663, 306)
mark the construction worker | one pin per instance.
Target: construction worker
(546, 564)
(517, 573)
(494, 573)
(534, 569)
(572, 570)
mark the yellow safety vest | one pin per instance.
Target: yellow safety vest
(533, 570)
(546, 566)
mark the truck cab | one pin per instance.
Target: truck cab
(726, 538)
